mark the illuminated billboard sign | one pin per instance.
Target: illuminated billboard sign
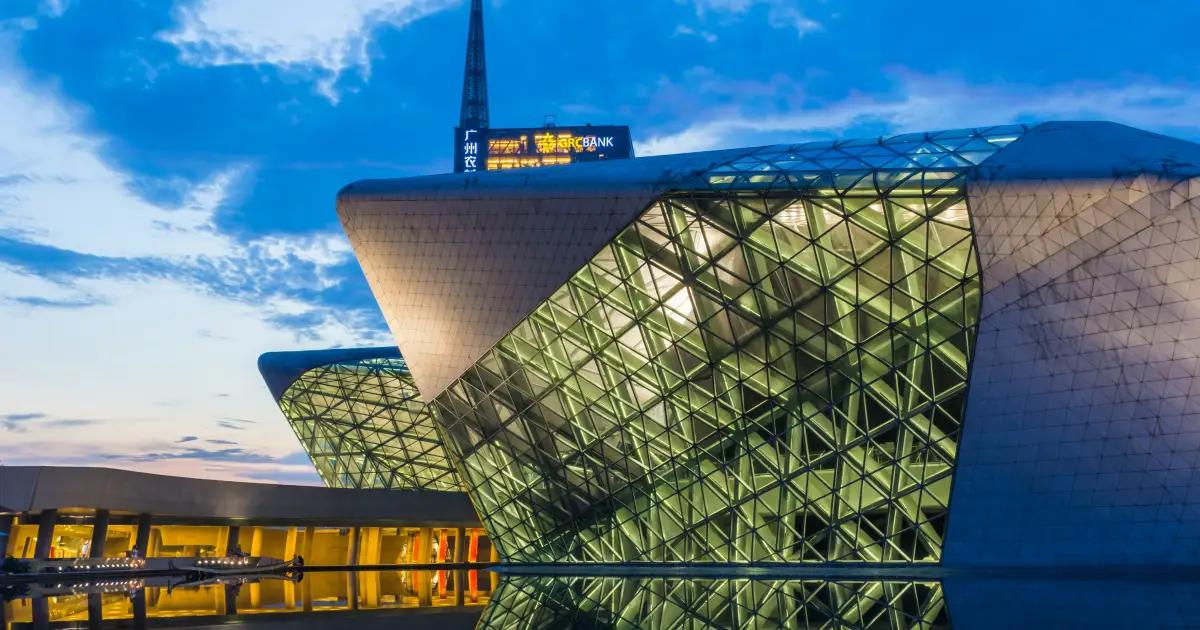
(499, 149)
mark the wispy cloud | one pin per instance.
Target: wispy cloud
(119, 283)
(780, 13)
(21, 417)
(221, 455)
(16, 421)
(70, 422)
(318, 38)
(922, 103)
(22, 422)
(682, 30)
(158, 456)
(187, 438)
(44, 302)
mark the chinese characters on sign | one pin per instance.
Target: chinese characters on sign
(499, 149)
(470, 151)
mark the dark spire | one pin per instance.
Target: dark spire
(474, 113)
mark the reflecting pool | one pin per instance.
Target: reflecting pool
(454, 600)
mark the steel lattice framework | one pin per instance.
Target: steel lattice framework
(364, 425)
(474, 111)
(536, 603)
(768, 366)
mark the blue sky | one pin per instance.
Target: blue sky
(168, 167)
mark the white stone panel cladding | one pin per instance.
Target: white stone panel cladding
(1082, 438)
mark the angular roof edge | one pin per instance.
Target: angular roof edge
(611, 178)
(1090, 150)
(281, 369)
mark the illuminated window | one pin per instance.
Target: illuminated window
(506, 146)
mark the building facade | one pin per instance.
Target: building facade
(961, 347)
(360, 418)
(56, 513)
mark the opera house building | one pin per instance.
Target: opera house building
(975, 347)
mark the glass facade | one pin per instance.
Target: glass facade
(364, 425)
(769, 365)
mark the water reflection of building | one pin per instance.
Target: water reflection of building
(102, 513)
(736, 604)
(462, 594)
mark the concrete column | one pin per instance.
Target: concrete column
(494, 556)
(369, 588)
(473, 549)
(231, 599)
(95, 611)
(306, 594)
(235, 534)
(143, 535)
(139, 606)
(460, 545)
(45, 537)
(424, 545)
(99, 535)
(352, 589)
(256, 540)
(372, 546)
(442, 546)
(222, 540)
(424, 587)
(41, 612)
(355, 541)
(310, 537)
(289, 548)
(139, 609)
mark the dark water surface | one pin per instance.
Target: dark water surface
(452, 600)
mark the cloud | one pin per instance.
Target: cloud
(70, 422)
(222, 455)
(304, 475)
(160, 457)
(923, 103)
(15, 421)
(229, 425)
(321, 38)
(21, 417)
(22, 422)
(222, 442)
(113, 288)
(187, 438)
(780, 13)
(54, 8)
(30, 300)
(687, 30)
